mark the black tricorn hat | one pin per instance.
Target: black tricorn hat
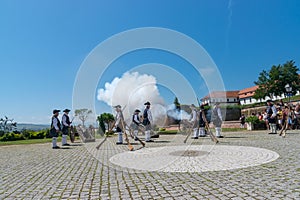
(137, 110)
(66, 110)
(147, 103)
(269, 100)
(56, 111)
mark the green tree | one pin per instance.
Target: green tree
(263, 84)
(176, 103)
(272, 83)
(290, 76)
(7, 125)
(177, 111)
(105, 118)
(101, 124)
(83, 114)
(275, 75)
(259, 94)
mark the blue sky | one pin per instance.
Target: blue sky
(43, 43)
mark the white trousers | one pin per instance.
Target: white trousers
(202, 132)
(120, 137)
(54, 141)
(218, 131)
(196, 133)
(273, 128)
(147, 135)
(64, 139)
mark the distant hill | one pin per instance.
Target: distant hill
(34, 127)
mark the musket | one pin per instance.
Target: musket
(71, 131)
(130, 131)
(212, 136)
(99, 145)
(190, 130)
(130, 147)
(73, 119)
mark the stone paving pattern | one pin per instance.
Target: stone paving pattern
(213, 158)
(82, 172)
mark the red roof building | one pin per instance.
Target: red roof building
(246, 95)
(224, 97)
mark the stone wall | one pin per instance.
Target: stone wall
(232, 114)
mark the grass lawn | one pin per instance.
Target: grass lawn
(32, 141)
(167, 132)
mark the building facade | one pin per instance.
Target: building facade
(223, 97)
(243, 97)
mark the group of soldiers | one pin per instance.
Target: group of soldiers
(143, 123)
(57, 126)
(197, 122)
(137, 122)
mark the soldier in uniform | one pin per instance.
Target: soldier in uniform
(197, 120)
(119, 119)
(55, 128)
(135, 123)
(66, 124)
(202, 121)
(271, 116)
(193, 121)
(147, 121)
(217, 119)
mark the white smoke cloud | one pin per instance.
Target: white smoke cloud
(133, 90)
(177, 114)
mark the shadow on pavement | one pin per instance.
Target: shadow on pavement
(78, 144)
(161, 141)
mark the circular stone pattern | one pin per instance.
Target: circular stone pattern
(194, 158)
(189, 153)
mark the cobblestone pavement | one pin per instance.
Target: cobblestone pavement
(83, 172)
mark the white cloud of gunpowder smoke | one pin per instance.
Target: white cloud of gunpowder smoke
(133, 90)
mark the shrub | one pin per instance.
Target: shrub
(1, 133)
(252, 119)
(37, 135)
(26, 133)
(12, 137)
(261, 125)
(47, 133)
